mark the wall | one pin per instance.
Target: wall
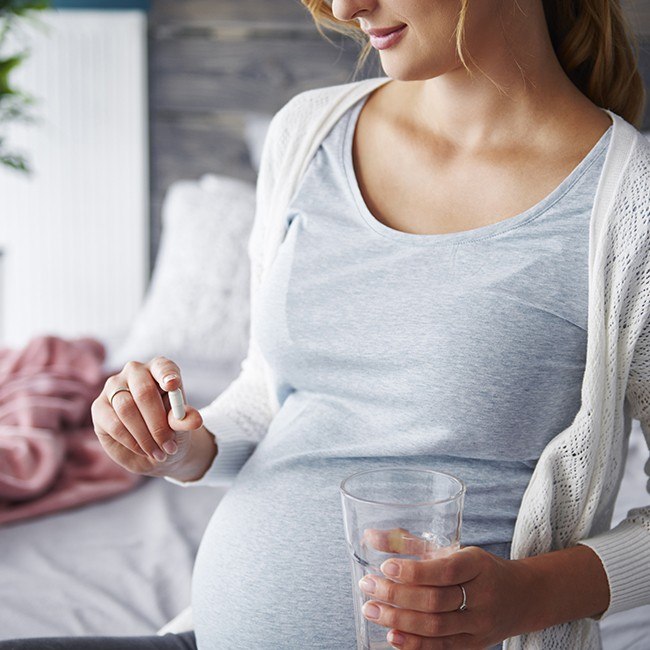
(75, 233)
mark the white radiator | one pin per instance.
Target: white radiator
(75, 235)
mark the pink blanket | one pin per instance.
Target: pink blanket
(50, 457)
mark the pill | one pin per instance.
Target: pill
(176, 400)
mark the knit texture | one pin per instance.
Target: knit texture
(571, 494)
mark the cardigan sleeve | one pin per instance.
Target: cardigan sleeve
(625, 549)
(240, 416)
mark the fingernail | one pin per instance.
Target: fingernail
(368, 584)
(395, 637)
(159, 456)
(168, 378)
(170, 447)
(371, 611)
(390, 568)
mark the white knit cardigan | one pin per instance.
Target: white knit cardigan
(570, 496)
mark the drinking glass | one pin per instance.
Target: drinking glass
(397, 513)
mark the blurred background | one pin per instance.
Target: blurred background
(130, 136)
(131, 96)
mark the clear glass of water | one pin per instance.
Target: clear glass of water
(397, 513)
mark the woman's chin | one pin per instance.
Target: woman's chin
(402, 71)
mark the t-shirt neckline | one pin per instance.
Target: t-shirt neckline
(464, 235)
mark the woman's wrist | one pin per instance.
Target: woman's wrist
(200, 456)
(569, 584)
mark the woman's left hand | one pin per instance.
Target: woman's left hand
(420, 602)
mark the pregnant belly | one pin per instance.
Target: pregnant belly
(272, 569)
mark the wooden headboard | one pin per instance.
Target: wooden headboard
(212, 61)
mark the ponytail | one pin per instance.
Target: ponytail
(599, 53)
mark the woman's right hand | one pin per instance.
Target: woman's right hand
(138, 430)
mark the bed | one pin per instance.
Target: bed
(118, 566)
(123, 565)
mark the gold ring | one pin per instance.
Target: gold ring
(115, 392)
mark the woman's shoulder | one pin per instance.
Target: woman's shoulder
(627, 166)
(642, 145)
(638, 139)
(310, 107)
(324, 96)
(636, 182)
(629, 176)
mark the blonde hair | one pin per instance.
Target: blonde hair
(592, 39)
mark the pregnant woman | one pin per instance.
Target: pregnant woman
(450, 270)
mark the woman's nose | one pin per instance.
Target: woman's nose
(350, 9)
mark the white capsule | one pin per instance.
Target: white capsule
(176, 400)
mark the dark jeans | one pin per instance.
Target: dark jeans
(184, 641)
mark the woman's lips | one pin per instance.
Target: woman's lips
(388, 40)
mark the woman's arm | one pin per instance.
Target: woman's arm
(239, 417)
(572, 584)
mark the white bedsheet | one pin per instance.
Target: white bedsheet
(117, 567)
(123, 566)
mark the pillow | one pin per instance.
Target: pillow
(197, 304)
(256, 125)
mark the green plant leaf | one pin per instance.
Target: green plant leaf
(6, 66)
(15, 162)
(14, 104)
(20, 7)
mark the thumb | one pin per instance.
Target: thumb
(190, 422)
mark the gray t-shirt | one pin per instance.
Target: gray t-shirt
(461, 352)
